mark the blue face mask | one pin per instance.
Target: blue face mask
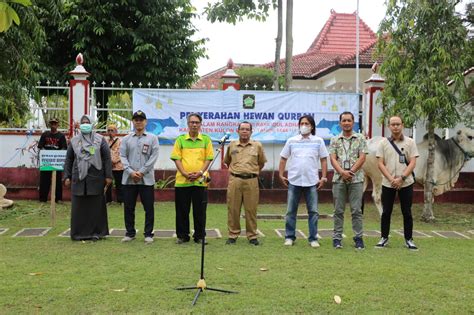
(86, 128)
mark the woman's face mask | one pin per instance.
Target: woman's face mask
(86, 128)
(304, 130)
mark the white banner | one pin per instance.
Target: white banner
(274, 115)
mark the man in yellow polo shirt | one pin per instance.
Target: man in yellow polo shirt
(192, 154)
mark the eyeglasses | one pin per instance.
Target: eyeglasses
(110, 130)
(194, 122)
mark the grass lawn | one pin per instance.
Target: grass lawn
(53, 275)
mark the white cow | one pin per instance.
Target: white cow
(450, 157)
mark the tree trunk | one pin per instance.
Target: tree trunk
(289, 44)
(276, 68)
(427, 214)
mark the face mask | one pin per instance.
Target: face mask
(304, 130)
(86, 128)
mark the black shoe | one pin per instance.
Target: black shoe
(199, 241)
(254, 242)
(181, 241)
(358, 243)
(382, 243)
(231, 241)
(337, 244)
(410, 244)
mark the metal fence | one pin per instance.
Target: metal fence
(50, 99)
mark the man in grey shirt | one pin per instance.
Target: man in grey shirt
(138, 153)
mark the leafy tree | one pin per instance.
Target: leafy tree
(131, 40)
(426, 47)
(231, 11)
(19, 62)
(8, 14)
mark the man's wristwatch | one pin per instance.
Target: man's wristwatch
(403, 177)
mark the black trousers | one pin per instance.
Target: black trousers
(118, 187)
(405, 195)
(45, 185)
(183, 198)
(147, 197)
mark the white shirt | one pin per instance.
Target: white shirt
(303, 156)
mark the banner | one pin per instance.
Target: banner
(274, 115)
(52, 160)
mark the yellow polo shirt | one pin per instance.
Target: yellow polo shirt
(193, 154)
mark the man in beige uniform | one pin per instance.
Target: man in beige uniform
(245, 158)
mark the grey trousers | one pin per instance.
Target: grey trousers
(341, 192)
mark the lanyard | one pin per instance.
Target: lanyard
(344, 147)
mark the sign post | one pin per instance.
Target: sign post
(52, 160)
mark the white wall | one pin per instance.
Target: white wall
(14, 150)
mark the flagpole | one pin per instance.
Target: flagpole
(357, 48)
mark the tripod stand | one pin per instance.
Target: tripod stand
(201, 284)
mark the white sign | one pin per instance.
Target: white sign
(52, 160)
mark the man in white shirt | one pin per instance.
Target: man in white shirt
(303, 153)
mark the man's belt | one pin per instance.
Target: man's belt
(244, 176)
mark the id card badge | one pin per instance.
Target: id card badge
(346, 165)
(145, 148)
(402, 159)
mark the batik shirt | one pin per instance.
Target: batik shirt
(348, 149)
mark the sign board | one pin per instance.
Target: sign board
(273, 115)
(52, 160)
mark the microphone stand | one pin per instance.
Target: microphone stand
(201, 284)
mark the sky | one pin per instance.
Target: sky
(254, 42)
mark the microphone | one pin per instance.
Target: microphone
(224, 138)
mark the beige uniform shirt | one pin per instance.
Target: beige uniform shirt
(246, 158)
(386, 151)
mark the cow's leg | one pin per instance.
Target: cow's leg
(377, 196)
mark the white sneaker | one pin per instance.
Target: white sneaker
(148, 240)
(127, 239)
(314, 244)
(288, 242)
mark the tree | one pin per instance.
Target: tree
(289, 44)
(19, 64)
(425, 47)
(276, 66)
(131, 40)
(8, 14)
(256, 76)
(231, 11)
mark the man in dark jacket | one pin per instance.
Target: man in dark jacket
(51, 140)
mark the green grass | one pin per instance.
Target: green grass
(110, 277)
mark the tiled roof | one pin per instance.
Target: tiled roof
(212, 80)
(334, 47)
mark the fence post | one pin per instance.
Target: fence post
(230, 78)
(78, 93)
(375, 85)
